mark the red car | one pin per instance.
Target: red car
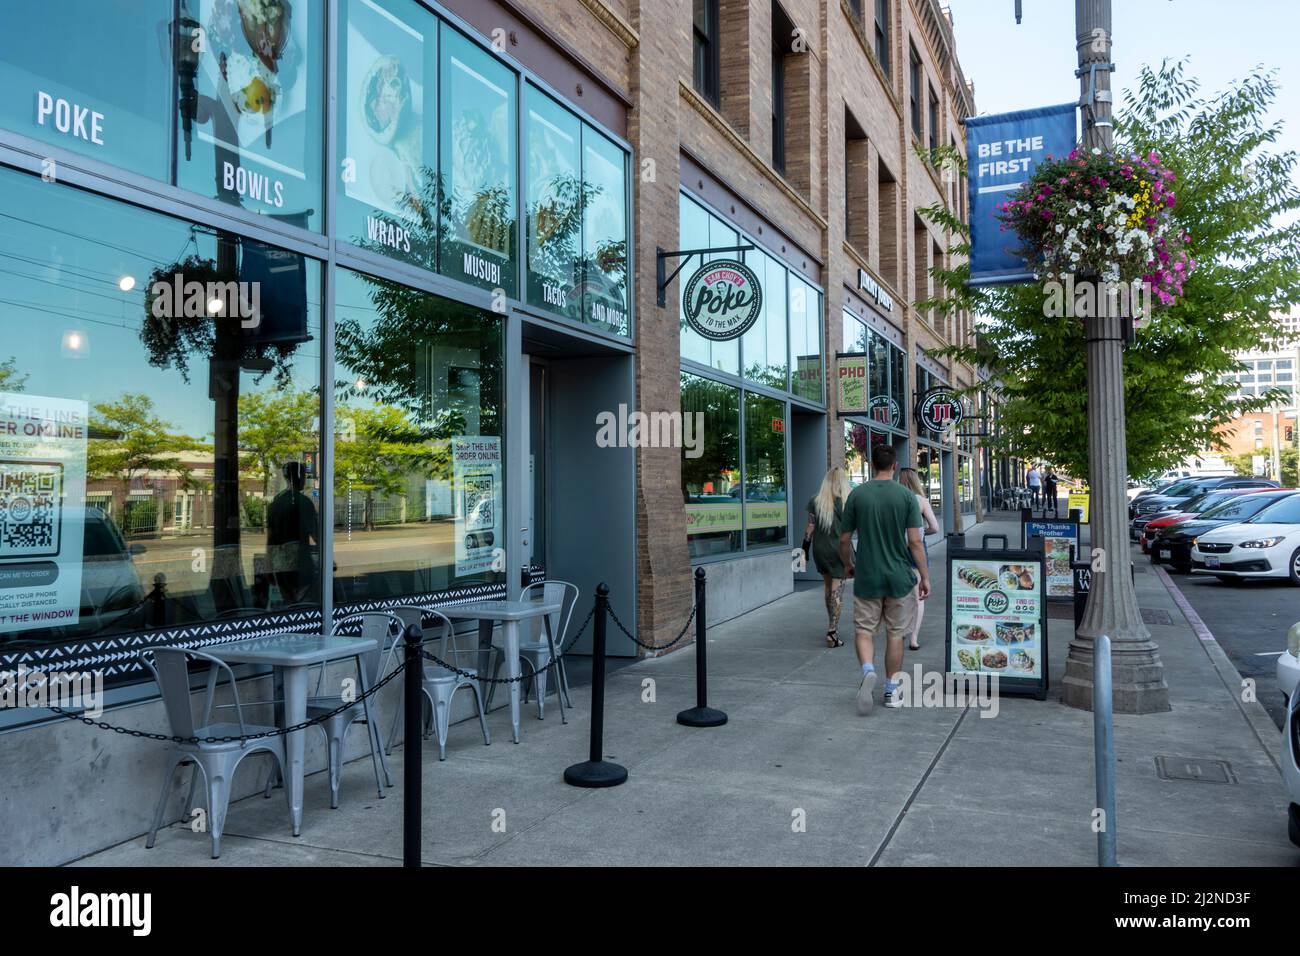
(1186, 511)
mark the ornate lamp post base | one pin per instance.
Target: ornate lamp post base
(1139, 677)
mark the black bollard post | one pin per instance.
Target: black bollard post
(597, 772)
(701, 715)
(412, 784)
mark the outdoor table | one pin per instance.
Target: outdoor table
(509, 613)
(292, 656)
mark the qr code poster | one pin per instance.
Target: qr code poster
(43, 512)
(31, 508)
(476, 479)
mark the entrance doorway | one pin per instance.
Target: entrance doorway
(578, 494)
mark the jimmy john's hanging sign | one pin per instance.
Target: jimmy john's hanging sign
(939, 409)
(722, 300)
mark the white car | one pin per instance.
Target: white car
(1288, 664)
(1291, 766)
(1264, 546)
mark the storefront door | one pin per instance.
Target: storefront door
(535, 539)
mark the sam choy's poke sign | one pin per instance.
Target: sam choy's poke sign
(722, 300)
(939, 409)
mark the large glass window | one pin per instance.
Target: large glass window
(882, 34)
(604, 228)
(764, 345)
(159, 407)
(705, 32)
(877, 364)
(84, 76)
(418, 457)
(898, 382)
(765, 503)
(251, 105)
(711, 481)
(388, 129)
(478, 165)
(790, 318)
(554, 212)
(805, 340)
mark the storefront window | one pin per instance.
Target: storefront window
(604, 219)
(765, 502)
(857, 452)
(388, 130)
(711, 481)
(478, 165)
(84, 76)
(701, 230)
(554, 212)
(877, 364)
(898, 381)
(159, 407)
(418, 458)
(805, 340)
(250, 134)
(966, 474)
(764, 345)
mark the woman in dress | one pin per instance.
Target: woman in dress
(911, 480)
(822, 536)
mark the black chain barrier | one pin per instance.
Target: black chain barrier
(278, 732)
(653, 647)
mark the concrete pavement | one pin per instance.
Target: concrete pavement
(797, 778)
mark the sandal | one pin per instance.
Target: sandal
(832, 640)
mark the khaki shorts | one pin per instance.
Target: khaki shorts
(899, 615)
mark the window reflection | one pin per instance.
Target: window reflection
(418, 497)
(555, 199)
(194, 356)
(765, 504)
(711, 482)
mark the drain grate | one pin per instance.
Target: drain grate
(1156, 615)
(1198, 769)
(1139, 569)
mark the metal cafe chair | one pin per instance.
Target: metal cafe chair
(439, 684)
(216, 761)
(538, 653)
(379, 625)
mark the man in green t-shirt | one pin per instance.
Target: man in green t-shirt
(889, 572)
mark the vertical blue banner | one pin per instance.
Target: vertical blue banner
(1001, 153)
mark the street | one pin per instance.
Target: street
(1249, 621)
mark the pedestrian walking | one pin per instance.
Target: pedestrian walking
(886, 585)
(1049, 490)
(822, 537)
(910, 479)
(1034, 479)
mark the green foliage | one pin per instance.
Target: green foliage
(1237, 198)
(274, 428)
(127, 440)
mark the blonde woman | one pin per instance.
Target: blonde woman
(910, 479)
(822, 536)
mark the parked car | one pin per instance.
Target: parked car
(1264, 546)
(1172, 544)
(1139, 489)
(1178, 493)
(1288, 663)
(1140, 528)
(1291, 766)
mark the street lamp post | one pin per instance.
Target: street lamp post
(1139, 683)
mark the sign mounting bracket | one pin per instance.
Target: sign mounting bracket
(662, 280)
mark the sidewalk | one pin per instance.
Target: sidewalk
(924, 786)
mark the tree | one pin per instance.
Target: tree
(129, 441)
(375, 450)
(1235, 193)
(275, 427)
(10, 379)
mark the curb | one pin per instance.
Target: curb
(1254, 713)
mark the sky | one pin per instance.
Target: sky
(1032, 64)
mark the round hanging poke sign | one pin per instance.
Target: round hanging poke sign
(722, 300)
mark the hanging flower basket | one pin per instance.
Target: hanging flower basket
(1103, 215)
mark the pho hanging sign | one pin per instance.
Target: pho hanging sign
(722, 300)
